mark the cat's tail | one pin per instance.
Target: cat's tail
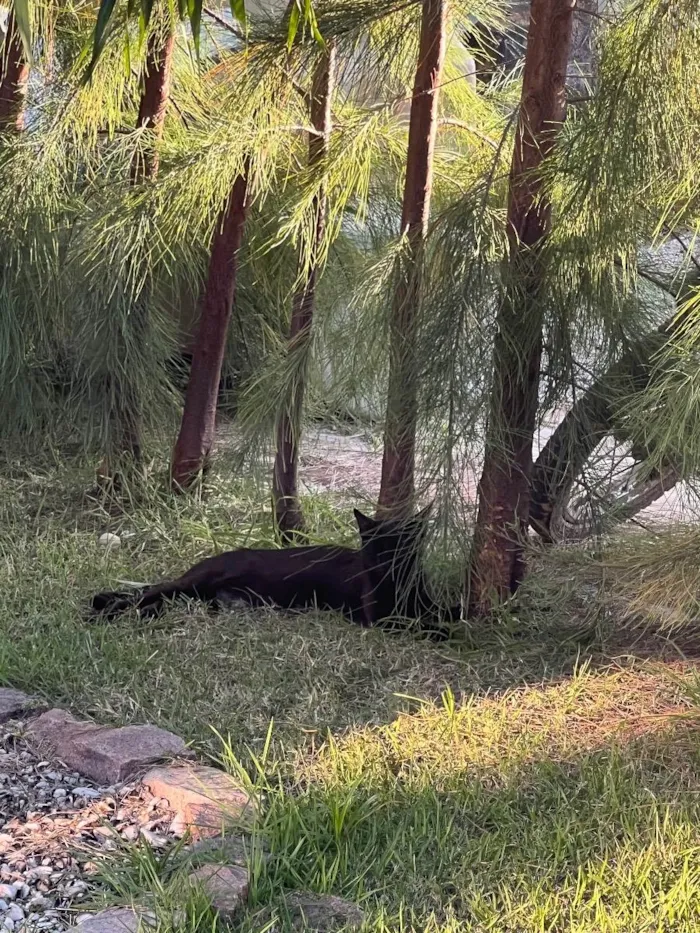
(110, 604)
(148, 601)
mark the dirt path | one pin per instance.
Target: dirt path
(349, 466)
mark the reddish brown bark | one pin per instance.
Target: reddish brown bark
(15, 74)
(153, 103)
(198, 425)
(398, 462)
(497, 564)
(288, 513)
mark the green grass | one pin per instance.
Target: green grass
(535, 776)
(192, 670)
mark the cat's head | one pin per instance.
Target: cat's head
(387, 541)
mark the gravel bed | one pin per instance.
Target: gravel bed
(55, 827)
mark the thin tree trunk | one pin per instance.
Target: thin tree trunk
(198, 425)
(646, 493)
(623, 508)
(591, 419)
(497, 563)
(398, 462)
(15, 75)
(154, 103)
(288, 513)
(126, 416)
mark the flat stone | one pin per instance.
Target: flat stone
(232, 849)
(117, 920)
(14, 703)
(104, 754)
(322, 913)
(225, 886)
(207, 800)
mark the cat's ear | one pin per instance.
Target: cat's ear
(364, 522)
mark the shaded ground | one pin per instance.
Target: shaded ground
(349, 467)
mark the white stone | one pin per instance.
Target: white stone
(109, 540)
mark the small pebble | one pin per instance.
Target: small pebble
(109, 540)
(89, 793)
(178, 827)
(156, 840)
(38, 903)
(78, 887)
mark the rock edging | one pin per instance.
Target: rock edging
(205, 800)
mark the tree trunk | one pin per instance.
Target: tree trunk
(288, 514)
(591, 419)
(646, 493)
(153, 104)
(198, 425)
(398, 462)
(618, 507)
(497, 563)
(126, 417)
(15, 74)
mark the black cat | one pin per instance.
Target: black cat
(382, 579)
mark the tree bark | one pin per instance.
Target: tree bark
(591, 419)
(153, 104)
(397, 488)
(198, 425)
(623, 507)
(288, 514)
(15, 75)
(497, 564)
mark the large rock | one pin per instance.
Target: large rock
(206, 800)
(225, 886)
(14, 703)
(101, 753)
(117, 920)
(231, 849)
(322, 913)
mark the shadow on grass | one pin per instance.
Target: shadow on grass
(597, 834)
(603, 840)
(310, 673)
